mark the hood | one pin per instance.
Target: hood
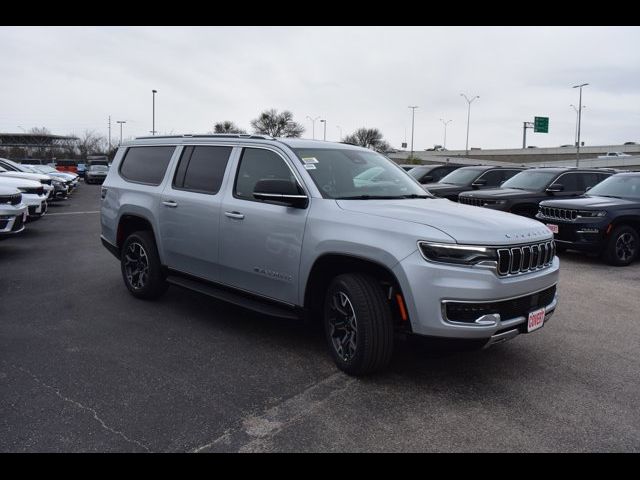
(18, 182)
(501, 193)
(592, 202)
(6, 190)
(29, 176)
(62, 176)
(443, 187)
(464, 223)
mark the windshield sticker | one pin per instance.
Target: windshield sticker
(310, 167)
(310, 160)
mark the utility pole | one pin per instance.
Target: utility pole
(313, 125)
(413, 116)
(579, 122)
(153, 114)
(325, 129)
(109, 132)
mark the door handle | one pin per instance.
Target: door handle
(169, 203)
(237, 215)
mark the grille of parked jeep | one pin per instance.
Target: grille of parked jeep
(559, 213)
(525, 258)
(11, 199)
(471, 201)
(508, 309)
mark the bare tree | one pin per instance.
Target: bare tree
(368, 138)
(227, 126)
(40, 131)
(270, 122)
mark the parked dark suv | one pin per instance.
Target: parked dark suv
(432, 173)
(605, 221)
(522, 193)
(471, 178)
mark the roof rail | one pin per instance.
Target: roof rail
(211, 135)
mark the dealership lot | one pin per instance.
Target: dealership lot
(86, 367)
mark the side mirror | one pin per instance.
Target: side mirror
(555, 188)
(426, 179)
(282, 192)
(588, 188)
(479, 183)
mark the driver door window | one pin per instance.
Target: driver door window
(259, 164)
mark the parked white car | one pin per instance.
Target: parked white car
(13, 213)
(614, 155)
(13, 169)
(33, 194)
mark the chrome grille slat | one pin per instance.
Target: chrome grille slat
(525, 258)
(559, 213)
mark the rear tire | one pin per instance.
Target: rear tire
(141, 268)
(358, 324)
(622, 247)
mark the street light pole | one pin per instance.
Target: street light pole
(153, 121)
(445, 123)
(325, 129)
(313, 125)
(469, 102)
(121, 122)
(575, 135)
(413, 115)
(579, 122)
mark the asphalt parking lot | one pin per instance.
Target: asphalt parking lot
(84, 366)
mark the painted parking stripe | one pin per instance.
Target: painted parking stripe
(71, 213)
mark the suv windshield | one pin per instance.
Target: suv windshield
(462, 176)
(98, 168)
(535, 180)
(356, 174)
(618, 186)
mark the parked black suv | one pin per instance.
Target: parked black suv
(605, 221)
(432, 173)
(471, 178)
(522, 193)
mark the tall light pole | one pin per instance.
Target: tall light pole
(413, 116)
(445, 123)
(579, 122)
(121, 122)
(324, 136)
(313, 125)
(153, 115)
(109, 133)
(469, 102)
(340, 129)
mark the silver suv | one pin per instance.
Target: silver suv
(326, 231)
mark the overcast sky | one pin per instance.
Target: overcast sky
(72, 79)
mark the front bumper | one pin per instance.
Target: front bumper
(428, 286)
(12, 219)
(584, 235)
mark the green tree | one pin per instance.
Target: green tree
(270, 122)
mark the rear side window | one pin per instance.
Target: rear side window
(146, 164)
(493, 178)
(589, 180)
(201, 169)
(570, 182)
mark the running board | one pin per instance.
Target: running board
(225, 295)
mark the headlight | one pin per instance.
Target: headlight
(494, 202)
(591, 213)
(457, 254)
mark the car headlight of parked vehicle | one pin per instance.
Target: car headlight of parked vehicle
(457, 254)
(591, 213)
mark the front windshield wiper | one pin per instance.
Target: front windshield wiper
(381, 197)
(417, 195)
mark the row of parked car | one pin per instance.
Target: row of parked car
(25, 193)
(594, 210)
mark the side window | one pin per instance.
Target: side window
(493, 178)
(603, 176)
(438, 173)
(259, 164)
(146, 164)
(589, 180)
(509, 173)
(570, 182)
(201, 169)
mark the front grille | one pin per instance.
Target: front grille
(11, 199)
(46, 182)
(471, 201)
(559, 213)
(33, 191)
(525, 258)
(508, 309)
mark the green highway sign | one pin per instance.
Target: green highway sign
(541, 124)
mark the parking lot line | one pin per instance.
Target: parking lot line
(72, 213)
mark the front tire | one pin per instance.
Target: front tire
(358, 324)
(622, 247)
(141, 268)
